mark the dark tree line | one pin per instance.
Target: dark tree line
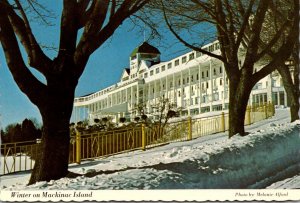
(26, 131)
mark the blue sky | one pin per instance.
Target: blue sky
(103, 69)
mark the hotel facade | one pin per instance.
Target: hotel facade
(194, 81)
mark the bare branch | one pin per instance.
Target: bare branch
(112, 8)
(284, 52)
(88, 44)
(25, 80)
(33, 5)
(84, 15)
(267, 47)
(187, 44)
(69, 27)
(245, 23)
(255, 34)
(36, 57)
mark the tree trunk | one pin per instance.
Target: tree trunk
(238, 99)
(52, 161)
(292, 90)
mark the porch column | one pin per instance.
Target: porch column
(190, 93)
(211, 84)
(200, 87)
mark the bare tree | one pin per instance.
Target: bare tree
(239, 27)
(98, 19)
(162, 111)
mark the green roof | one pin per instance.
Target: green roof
(145, 48)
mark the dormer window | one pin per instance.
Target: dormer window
(177, 62)
(192, 56)
(198, 54)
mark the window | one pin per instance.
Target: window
(207, 73)
(217, 46)
(197, 76)
(177, 62)
(151, 72)
(215, 72)
(169, 65)
(183, 81)
(207, 85)
(202, 74)
(221, 82)
(191, 56)
(157, 70)
(178, 82)
(221, 70)
(192, 78)
(179, 93)
(145, 75)
(187, 80)
(163, 68)
(183, 60)
(198, 54)
(211, 48)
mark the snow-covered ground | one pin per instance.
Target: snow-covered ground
(20, 162)
(269, 157)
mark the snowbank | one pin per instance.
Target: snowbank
(265, 156)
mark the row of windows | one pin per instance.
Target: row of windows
(205, 85)
(192, 76)
(191, 56)
(163, 68)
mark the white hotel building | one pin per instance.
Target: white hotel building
(194, 81)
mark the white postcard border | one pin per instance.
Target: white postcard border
(152, 195)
